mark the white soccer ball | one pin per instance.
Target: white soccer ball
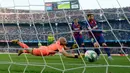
(91, 56)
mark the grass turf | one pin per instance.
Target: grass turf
(53, 64)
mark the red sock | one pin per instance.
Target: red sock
(23, 45)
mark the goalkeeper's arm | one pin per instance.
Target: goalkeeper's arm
(70, 55)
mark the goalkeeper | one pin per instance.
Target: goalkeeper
(58, 46)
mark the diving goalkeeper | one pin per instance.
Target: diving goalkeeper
(58, 46)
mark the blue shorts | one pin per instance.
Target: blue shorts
(100, 39)
(79, 40)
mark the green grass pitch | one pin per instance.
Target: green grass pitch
(53, 64)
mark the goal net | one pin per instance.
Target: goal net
(30, 23)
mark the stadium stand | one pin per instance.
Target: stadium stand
(28, 30)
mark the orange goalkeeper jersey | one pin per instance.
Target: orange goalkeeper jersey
(48, 50)
(55, 47)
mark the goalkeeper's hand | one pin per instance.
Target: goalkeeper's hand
(39, 44)
(74, 46)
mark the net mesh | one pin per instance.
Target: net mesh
(31, 26)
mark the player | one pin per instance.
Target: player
(50, 39)
(59, 45)
(98, 35)
(76, 27)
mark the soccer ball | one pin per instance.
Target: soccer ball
(91, 56)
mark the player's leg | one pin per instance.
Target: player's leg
(96, 46)
(23, 45)
(33, 51)
(78, 43)
(81, 43)
(41, 51)
(97, 51)
(28, 50)
(107, 50)
(102, 41)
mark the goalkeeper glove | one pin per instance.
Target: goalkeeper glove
(74, 46)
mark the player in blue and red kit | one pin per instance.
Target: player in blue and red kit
(77, 32)
(97, 33)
